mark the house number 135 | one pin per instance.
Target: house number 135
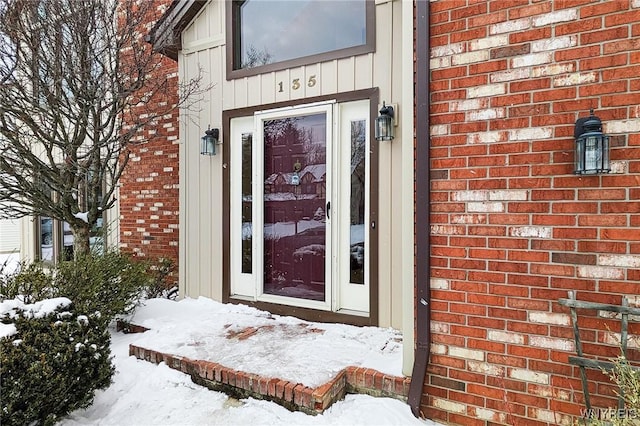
(295, 83)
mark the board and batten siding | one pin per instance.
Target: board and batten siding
(201, 233)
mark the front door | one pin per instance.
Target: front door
(294, 203)
(299, 207)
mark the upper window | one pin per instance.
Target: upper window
(268, 35)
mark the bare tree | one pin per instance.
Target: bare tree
(255, 57)
(78, 87)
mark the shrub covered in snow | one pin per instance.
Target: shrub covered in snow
(111, 283)
(54, 339)
(52, 360)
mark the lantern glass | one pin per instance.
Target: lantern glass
(209, 141)
(384, 124)
(592, 153)
(384, 128)
(592, 147)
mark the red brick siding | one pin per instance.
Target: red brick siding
(512, 228)
(149, 187)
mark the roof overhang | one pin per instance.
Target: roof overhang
(166, 35)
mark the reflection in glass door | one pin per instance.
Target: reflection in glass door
(295, 203)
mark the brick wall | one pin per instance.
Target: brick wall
(149, 187)
(513, 229)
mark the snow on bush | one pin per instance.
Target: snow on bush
(52, 360)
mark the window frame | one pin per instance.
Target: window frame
(232, 19)
(58, 233)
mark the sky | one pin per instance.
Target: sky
(146, 394)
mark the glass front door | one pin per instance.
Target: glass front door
(300, 208)
(294, 206)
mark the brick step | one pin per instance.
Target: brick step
(293, 396)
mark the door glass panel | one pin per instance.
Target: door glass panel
(294, 206)
(358, 201)
(247, 170)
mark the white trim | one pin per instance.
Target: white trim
(204, 44)
(279, 112)
(182, 193)
(241, 284)
(352, 297)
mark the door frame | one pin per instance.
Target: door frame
(313, 314)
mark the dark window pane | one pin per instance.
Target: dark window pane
(67, 242)
(247, 221)
(358, 200)
(273, 31)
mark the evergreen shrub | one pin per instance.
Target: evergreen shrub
(52, 364)
(111, 283)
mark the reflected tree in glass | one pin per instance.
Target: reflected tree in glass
(358, 200)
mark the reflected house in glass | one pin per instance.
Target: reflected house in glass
(309, 193)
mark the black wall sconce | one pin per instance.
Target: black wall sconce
(385, 123)
(592, 147)
(209, 141)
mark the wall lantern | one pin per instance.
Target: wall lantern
(592, 147)
(385, 123)
(209, 141)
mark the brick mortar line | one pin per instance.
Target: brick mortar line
(293, 396)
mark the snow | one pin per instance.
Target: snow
(147, 394)
(143, 393)
(7, 330)
(283, 347)
(9, 308)
(84, 216)
(274, 231)
(9, 262)
(311, 250)
(32, 310)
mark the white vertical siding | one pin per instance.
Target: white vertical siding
(10, 235)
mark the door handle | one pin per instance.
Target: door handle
(328, 209)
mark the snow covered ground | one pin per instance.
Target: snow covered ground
(146, 394)
(254, 341)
